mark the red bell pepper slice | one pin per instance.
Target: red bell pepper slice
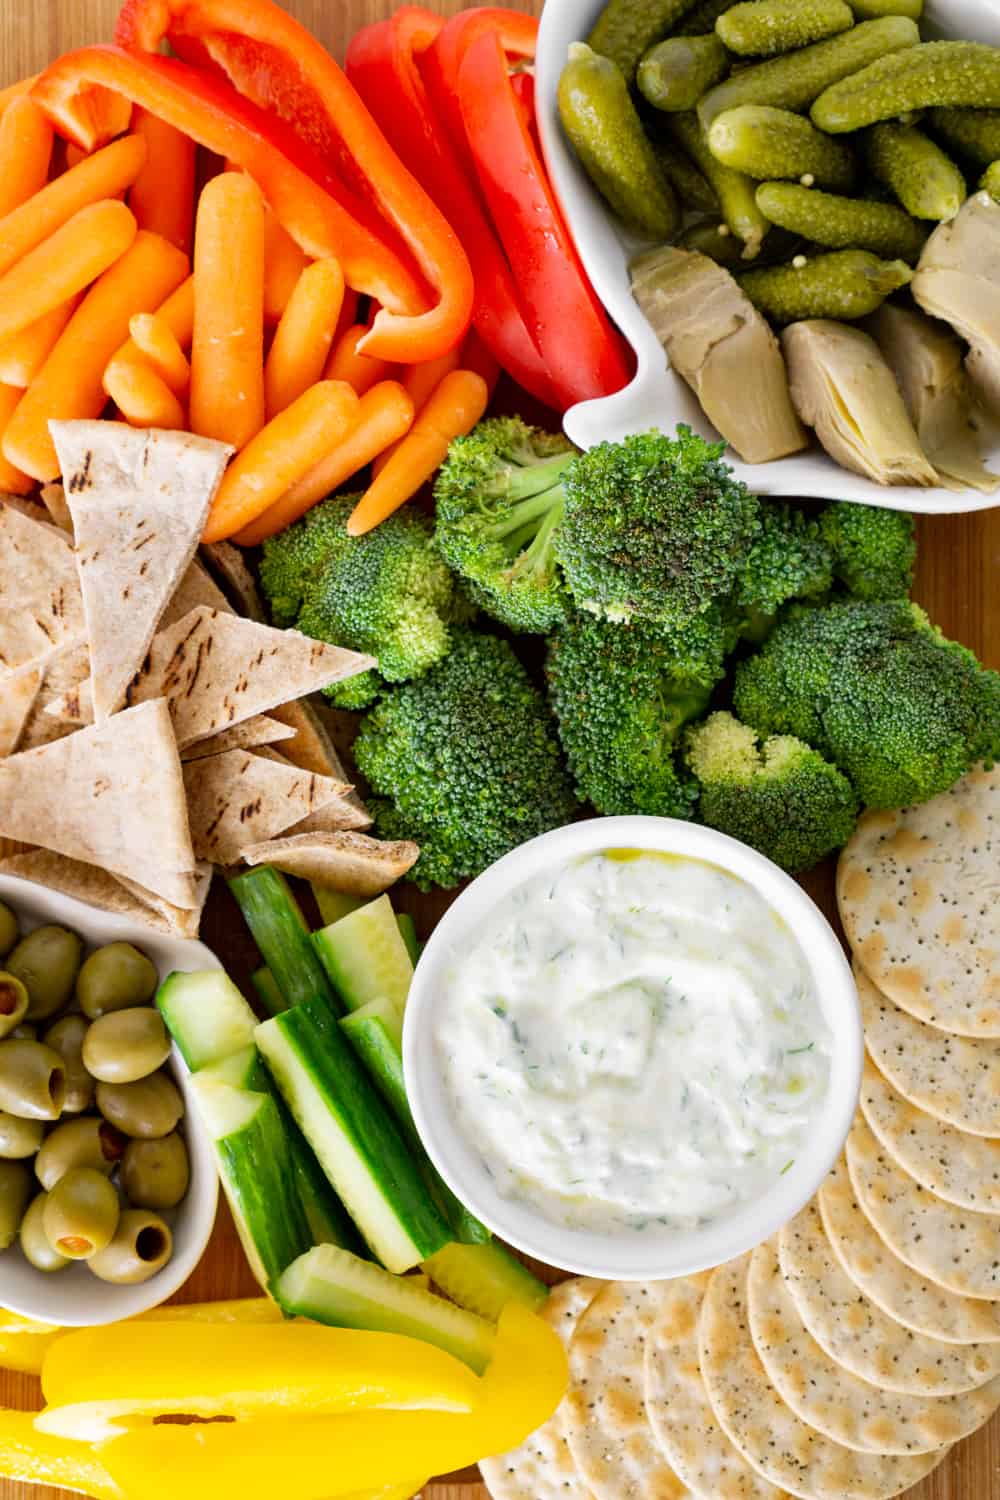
(271, 59)
(582, 352)
(382, 64)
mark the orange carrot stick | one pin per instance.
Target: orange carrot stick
(227, 350)
(362, 371)
(102, 175)
(69, 384)
(476, 356)
(162, 196)
(284, 263)
(385, 413)
(453, 410)
(25, 152)
(176, 314)
(348, 314)
(15, 91)
(23, 354)
(74, 154)
(160, 348)
(58, 268)
(302, 340)
(142, 397)
(289, 446)
(420, 382)
(12, 480)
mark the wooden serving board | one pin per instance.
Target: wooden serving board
(958, 583)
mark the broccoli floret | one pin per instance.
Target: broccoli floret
(499, 501)
(781, 797)
(874, 549)
(468, 759)
(621, 694)
(291, 559)
(654, 528)
(789, 559)
(875, 688)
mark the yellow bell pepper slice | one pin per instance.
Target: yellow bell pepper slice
(12, 1322)
(97, 1379)
(36, 1458)
(318, 1458)
(237, 1310)
(26, 1351)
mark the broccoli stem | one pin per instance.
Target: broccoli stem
(533, 478)
(537, 555)
(525, 516)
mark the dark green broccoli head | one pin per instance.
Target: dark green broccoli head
(465, 760)
(621, 694)
(780, 797)
(655, 528)
(879, 691)
(874, 549)
(789, 559)
(498, 501)
(291, 560)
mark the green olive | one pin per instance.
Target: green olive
(13, 1002)
(87, 1142)
(148, 1109)
(8, 929)
(126, 1045)
(81, 1213)
(113, 978)
(34, 1243)
(15, 1190)
(24, 1033)
(155, 1174)
(46, 962)
(19, 1137)
(142, 1246)
(66, 1037)
(32, 1080)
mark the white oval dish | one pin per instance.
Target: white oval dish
(670, 1252)
(657, 397)
(74, 1298)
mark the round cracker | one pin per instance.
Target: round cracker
(679, 1410)
(891, 1284)
(828, 1397)
(918, 896)
(542, 1468)
(956, 1079)
(770, 1436)
(605, 1420)
(858, 1335)
(955, 1247)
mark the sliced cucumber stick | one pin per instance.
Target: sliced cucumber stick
(484, 1278)
(276, 921)
(267, 991)
(364, 955)
(241, 1070)
(408, 933)
(206, 1015)
(334, 904)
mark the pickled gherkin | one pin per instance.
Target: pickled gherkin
(674, 74)
(871, 10)
(974, 133)
(934, 73)
(626, 29)
(774, 143)
(843, 284)
(709, 237)
(691, 186)
(842, 223)
(990, 181)
(766, 28)
(926, 181)
(736, 192)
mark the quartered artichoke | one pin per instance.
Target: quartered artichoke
(958, 279)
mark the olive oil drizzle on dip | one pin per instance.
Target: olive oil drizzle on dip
(633, 1042)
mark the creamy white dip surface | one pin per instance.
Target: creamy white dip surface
(632, 1042)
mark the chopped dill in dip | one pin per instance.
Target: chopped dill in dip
(633, 1041)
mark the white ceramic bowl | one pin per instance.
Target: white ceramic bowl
(657, 397)
(74, 1297)
(651, 1256)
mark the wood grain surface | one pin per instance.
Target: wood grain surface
(958, 582)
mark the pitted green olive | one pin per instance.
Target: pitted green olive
(155, 1174)
(88, 1142)
(126, 1045)
(148, 1109)
(113, 978)
(19, 1137)
(15, 1190)
(13, 1002)
(141, 1247)
(24, 1033)
(46, 962)
(66, 1037)
(34, 1242)
(8, 929)
(32, 1080)
(81, 1213)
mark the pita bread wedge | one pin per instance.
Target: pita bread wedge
(71, 877)
(41, 608)
(17, 699)
(111, 795)
(226, 562)
(313, 747)
(177, 919)
(338, 814)
(139, 498)
(62, 677)
(345, 861)
(216, 670)
(251, 734)
(237, 799)
(53, 497)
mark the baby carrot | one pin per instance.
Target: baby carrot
(143, 399)
(25, 151)
(102, 175)
(69, 384)
(301, 343)
(348, 314)
(15, 91)
(160, 348)
(476, 356)
(284, 263)
(23, 354)
(162, 196)
(360, 370)
(453, 410)
(385, 413)
(74, 154)
(227, 349)
(176, 315)
(58, 268)
(420, 382)
(289, 446)
(12, 480)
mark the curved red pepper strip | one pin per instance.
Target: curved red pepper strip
(382, 65)
(274, 61)
(583, 354)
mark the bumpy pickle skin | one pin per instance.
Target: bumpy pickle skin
(794, 81)
(926, 181)
(767, 28)
(598, 115)
(626, 29)
(933, 73)
(845, 284)
(842, 223)
(736, 192)
(691, 186)
(990, 181)
(873, 10)
(709, 237)
(674, 74)
(974, 133)
(767, 143)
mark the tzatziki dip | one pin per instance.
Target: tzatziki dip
(633, 1041)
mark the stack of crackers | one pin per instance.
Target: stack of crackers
(842, 1359)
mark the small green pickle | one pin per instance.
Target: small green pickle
(736, 192)
(626, 29)
(843, 284)
(702, 19)
(770, 143)
(990, 181)
(598, 115)
(926, 181)
(954, 73)
(842, 223)
(691, 186)
(974, 133)
(715, 240)
(767, 28)
(674, 74)
(873, 10)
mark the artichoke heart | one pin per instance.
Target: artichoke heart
(720, 345)
(958, 280)
(842, 387)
